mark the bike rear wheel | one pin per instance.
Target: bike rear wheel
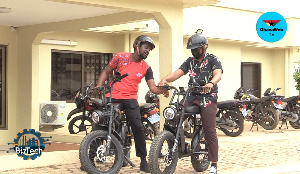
(160, 155)
(92, 153)
(270, 119)
(238, 119)
(296, 124)
(75, 125)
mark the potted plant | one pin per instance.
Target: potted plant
(296, 77)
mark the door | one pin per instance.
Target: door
(3, 119)
(251, 77)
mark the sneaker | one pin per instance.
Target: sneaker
(144, 166)
(213, 170)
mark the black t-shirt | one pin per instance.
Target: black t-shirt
(202, 73)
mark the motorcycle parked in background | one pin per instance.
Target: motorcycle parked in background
(258, 110)
(229, 119)
(151, 124)
(84, 107)
(150, 119)
(169, 145)
(287, 108)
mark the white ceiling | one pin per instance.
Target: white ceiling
(30, 12)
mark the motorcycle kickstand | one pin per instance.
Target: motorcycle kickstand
(128, 160)
(285, 124)
(254, 123)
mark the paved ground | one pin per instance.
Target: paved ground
(259, 152)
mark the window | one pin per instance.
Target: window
(3, 118)
(72, 71)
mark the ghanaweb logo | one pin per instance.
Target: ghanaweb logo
(29, 144)
(271, 27)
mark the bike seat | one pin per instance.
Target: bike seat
(260, 99)
(120, 106)
(289, 99)
(192, 109)
(226, 103)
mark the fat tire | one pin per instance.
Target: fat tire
(198, 165)
(155, 150)
(238, 119)
(84, 158)
(274, 116)
(72, 122)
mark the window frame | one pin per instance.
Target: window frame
(83, 68)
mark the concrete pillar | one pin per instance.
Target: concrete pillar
(170, 47)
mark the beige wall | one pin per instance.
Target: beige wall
(272, 66)
(9, 38)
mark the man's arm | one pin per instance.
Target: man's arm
(171, 77)
(216, 78)
(103, 76)
(155, 90)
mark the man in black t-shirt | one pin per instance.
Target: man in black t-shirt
(204, 69)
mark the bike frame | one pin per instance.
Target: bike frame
(179, 133)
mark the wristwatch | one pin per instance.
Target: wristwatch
(211, 82)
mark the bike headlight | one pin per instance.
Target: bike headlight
(169, 113)
(97, 116)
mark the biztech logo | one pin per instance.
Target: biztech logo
(29, 144)
(266, 29)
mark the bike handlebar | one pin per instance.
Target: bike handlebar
(190, 88)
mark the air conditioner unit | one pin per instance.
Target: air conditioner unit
(52, 113)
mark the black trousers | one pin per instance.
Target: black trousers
(133, 117)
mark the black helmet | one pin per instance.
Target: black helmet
(197, 40)
(143, 38)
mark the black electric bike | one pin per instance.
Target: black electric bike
(107, 149)
(169, 145)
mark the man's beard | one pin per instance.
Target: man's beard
(142, 56)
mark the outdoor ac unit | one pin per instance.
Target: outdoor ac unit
(53, 113)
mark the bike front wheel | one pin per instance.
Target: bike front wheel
(93, 157)
(161, 158)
